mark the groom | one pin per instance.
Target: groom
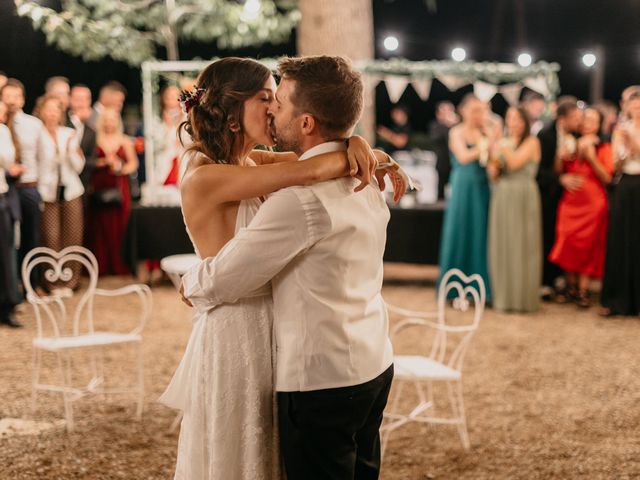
(321, 248)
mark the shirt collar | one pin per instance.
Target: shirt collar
(336, 146)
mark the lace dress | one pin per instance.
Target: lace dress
(225, 387)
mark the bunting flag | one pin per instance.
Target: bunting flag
(511, 92)
(422, 87)
(396, 85)
(484, 91)
(453, 82)
(538, 84)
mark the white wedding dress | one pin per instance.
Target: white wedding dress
(225, 387)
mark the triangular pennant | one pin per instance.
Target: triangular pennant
(538, 84)
(422, 87)
(511, 92)
(396, 85)
(484, 91)
(453, 82)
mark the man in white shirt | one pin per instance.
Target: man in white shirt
(27, 131)
(321, 247)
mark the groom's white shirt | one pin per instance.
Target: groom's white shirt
(321, 247)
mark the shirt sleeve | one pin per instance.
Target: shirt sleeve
(288, 223)
(7, 149)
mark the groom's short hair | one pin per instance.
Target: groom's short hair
(328, 88)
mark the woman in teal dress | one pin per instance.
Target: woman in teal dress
(515, 218)
(464, 235)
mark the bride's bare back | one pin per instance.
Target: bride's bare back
(210, 223)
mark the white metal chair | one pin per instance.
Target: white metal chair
(444, 361)
(57, 336)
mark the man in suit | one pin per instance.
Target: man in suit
(321, 247)
(551, 182)
(77, 117)
(112, 95)
(439, 132)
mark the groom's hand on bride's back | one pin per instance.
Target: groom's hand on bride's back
(184, 299)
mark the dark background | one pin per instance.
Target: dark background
(490, 30)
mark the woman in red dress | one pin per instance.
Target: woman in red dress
(110, 198)
(581, 228)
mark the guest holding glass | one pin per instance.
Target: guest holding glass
(621, 283)
(581, 231)
(464, 233)
(59, 185)
(110, 198)
(515, 219)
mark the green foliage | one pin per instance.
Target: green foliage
(132, 30)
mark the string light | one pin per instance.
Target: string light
(458, 54)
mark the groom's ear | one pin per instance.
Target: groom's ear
(309, 124)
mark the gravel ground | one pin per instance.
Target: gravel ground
(551, 395)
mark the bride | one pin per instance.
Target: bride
(224, 383)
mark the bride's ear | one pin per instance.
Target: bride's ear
(234, 125)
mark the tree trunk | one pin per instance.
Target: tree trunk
(339, 27)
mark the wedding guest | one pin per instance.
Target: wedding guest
(621, 283)
(111, 95)
(556, 138)
(609, 113)
(627, 93)
(581, 229)
(59, 87)
(168, 149)
(77, 117)
(59, 184)
(8, 281)
(515, 219)
(439, 128)
(396, 137)
(26, 131)
(464, 233)
(110, 199)
(534, 105)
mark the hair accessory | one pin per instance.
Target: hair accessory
(190, 99)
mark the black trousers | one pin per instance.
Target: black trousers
(333, 434)
(30, 226)
(8, 285)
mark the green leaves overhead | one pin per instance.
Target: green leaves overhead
(132, 30)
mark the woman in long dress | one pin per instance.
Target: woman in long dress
(110, 198)
(225, 382)
(621, 282)
(464, 232)
(581, 228)
(515, 219)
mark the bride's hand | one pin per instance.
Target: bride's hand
(362, 161)
(389, 167)
(184, 299)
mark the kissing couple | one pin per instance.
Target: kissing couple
(289, 364)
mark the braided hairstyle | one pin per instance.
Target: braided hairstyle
(215, 121)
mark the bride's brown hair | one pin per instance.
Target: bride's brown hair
(215, 121)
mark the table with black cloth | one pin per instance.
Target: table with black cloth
(413, 234)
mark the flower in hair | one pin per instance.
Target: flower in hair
(190, 99)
